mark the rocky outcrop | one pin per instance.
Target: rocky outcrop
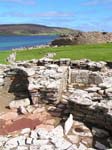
(83, 38)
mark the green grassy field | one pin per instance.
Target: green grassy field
(94, 52)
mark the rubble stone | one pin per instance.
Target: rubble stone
(60, 144)
(100, 146)
(68, 124)
(58, 131)
(11, 143)
(19, 103)
(100, 133)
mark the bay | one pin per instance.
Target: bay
(9, 42)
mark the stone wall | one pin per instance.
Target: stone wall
(50, 82)
(16, 82)
(85, 77)
(81, 87)
(96, 115)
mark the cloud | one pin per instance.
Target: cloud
(45, 14)
(28, 2)
(52, 18)
(53, 14)
(96, 2)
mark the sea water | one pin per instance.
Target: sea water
(12, 41)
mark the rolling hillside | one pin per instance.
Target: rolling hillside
(31, 29)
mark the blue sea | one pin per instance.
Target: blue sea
(10, 42)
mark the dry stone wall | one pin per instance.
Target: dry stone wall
(48, 83)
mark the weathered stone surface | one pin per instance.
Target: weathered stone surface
(19, 103)
(81, 130)
(110, 141)
(82, 146)
(92, 89)
(51, 108)
(22, 110)
(73, 147)
(29, 141)
(68, 124)
(87, 141)
(1, 81)
(30, 71)
(96, 96)
(42, 133)
(3, 140)
(58, 131)
(109, 90)
(100, 146)
(30, 109)
(34, 147)
(107, 83)
(47, 147)
(100, 133)
(21, 140)
(33, 134)
(74, 139)
(11, 143)
(96, 65)
(60, 143)
(40, 143)
(81, 97)
(79, 76)
(95, 78)
(25, 131)
(91, 149)
(22, 148)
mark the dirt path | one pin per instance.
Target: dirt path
(5, 98)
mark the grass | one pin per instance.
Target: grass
(97, 52)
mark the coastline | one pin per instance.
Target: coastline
(31, 47)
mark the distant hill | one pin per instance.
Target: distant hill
(32, 29)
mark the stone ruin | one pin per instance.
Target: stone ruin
(82, 88)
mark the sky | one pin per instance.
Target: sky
(85, 15)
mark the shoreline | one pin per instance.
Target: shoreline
(26, 48)
(31, 47)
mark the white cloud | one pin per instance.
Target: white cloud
(45, 14)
